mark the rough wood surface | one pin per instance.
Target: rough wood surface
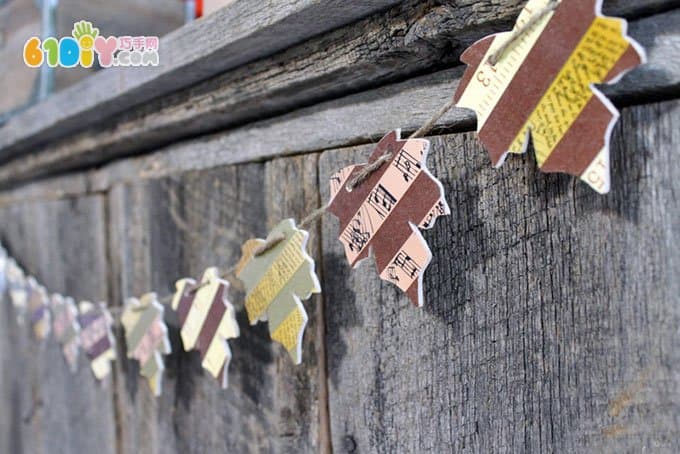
(551, 315)
(165, 229)
(408, 39)
(230, 37)
(46, 408)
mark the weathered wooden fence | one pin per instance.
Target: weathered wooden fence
(552, 318)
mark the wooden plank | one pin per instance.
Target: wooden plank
(46, 407)
(551, 313)
(366, 116)
(412, 39)
(231, 37)
(271, 405)
(19, 19)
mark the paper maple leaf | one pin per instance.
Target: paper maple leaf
(276, 281)
(207, 319)
(38, 307)
(96, 337)
(66, 327)
(384, 212)
(542, 86)
(146, 336)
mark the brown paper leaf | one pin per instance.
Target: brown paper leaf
(542, 87)
(384, 212)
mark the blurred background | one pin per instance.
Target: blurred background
(20, 19)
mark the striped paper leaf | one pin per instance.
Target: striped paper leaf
(66, 328)
(276, 281)
(146, 336)
(384, 212)
(207, 319)
(96, 337)
(542, 86)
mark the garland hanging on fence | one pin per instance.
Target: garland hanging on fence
(534, 81)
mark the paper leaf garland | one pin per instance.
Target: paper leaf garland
(18, 293)
(38, 308)
(96, 337)
(542, 86)
(384, 212)
(276, 281)
(66, 328)
(207, 319)
(146, 337)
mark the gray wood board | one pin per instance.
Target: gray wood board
(407, 40)
(270, 405)
(551, 315)
(46, 408)
(242, 32)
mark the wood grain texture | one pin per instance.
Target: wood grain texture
(270, 405)
(230, 37)
(46, 409)
(551, 315)
(407, 40)
(356, 118)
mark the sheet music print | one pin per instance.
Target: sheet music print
(146, 337)
(542, 87)
(96, 337)
(382, 213)
(38, 308)
(276, 282)
(207, 319)
(66, 328)
(408, 164)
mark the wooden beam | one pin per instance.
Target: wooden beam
(231, 37)
(407, 40)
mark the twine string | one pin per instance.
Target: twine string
(315, 215)
(520, 31)
(367, 170)
(268, 245)
(427, 127)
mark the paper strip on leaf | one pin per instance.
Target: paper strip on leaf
(96, 337)
(207, 319)
(275, 283)
(384, 212)
(146, 336)
(542, 87)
